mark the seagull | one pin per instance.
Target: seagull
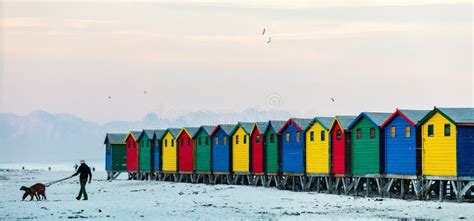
(110, 97)
(332, 99)
(263, 31)
(269, 40)
(144, 92)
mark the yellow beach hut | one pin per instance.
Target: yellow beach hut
(317, 146)
(169, 145)
(447, 141)
(241, 148)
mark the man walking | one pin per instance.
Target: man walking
(85, 173)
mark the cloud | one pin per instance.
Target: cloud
(44, 22)
(297, 4)
(85, 23)
(278, 4)
(320, 30)
(23, 22)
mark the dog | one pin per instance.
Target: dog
(37, 190)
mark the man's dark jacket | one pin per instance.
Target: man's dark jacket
(84, 171)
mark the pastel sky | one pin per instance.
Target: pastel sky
(70, 56)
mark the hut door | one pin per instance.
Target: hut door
(108, 158)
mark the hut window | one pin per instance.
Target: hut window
(392, 131)
(224, 140)
(338, 134)
(172, 143)
(311, 136)
(245, 139)
(323, 135)
(297, 136)
(257, 139)
(287, 137)
(199, 141)
(166, 143)
(359, 133)
(237, 139)
(189, 142)
(372, 133)
(217, 140)
(407, 131)
(207, 140)
(272, 138)
(447, 130)
(430, 130)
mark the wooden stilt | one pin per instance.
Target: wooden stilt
(402, 189)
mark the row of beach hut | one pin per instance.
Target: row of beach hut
(438, 142)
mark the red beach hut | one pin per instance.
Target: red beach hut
(132, 151)
(186, 151)
(341, 144)
(257, 146)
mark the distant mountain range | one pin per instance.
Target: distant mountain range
(43, 136)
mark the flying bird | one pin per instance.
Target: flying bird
(263, 31)
(144, 92)
(332, 99)
(110, 97)
(269, 40)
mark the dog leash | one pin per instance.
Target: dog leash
(57, 181)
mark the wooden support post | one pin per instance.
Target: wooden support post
(328, 183)
(293, 183)
(367, 187)
(344, 185)
(302, 182)
(356, 186)
(441, 190)
(308, 184)
(379, 188)
(402, 189)
(318, 184)
(465, 190)
(283, 182)
(336, 186)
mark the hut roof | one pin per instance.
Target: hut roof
(160, 133)
(262, 126)
(115, 138)
(148, 133)
(174, 131)
(247, 126)
(324, 121)
(207, 129)
(458, 116)
(376, 118)
(301, 123)
(276, 125)
(227, 128)
(192, 131)
(412, 116)
(344, 121)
